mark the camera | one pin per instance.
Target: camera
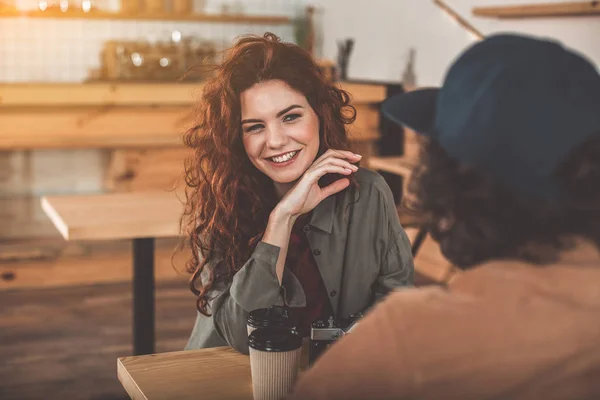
(325, 333)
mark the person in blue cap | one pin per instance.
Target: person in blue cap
(509, 184)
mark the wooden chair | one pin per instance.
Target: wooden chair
(429, 260)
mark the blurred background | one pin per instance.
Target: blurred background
(92, 108)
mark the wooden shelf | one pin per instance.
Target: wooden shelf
(126, 115)
(98, 94)
(95, 14)
(107, 94)
(563, 9)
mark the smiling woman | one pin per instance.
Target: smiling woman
(278, 211)
(280, 132)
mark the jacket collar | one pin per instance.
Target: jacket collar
(322, 215)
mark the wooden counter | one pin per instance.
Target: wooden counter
(98, 94)
(134, 94)
(104, 115)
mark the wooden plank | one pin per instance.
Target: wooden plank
(135, 94)
(98, 94)
(146, 169)
(88, 263)
(367, 117)
(429, 261)
(217, 373)
(93, 128)
(115, 216)
(366, 125)
(128, 383)
(160, 16)
(118, 127)
(362, 135)
(361, 93)
(459, 19)
(560, 9)
(401, 166)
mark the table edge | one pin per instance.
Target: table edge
(72, 233)
(54, 217)
(128, 383)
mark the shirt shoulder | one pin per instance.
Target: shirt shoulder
(373, 188)
(370, 179)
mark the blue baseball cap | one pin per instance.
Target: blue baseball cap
(510, 105)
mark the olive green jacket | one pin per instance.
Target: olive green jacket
(361, 251)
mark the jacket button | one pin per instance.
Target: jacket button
(316, 252)
(306, 228)
(333, 293)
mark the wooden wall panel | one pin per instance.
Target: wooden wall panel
(146, 169)
(91, 263)
(102, 127)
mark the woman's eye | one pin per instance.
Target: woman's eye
(254, 128)
(291, 117)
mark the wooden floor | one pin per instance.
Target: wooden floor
(65, 319)
(63, 343)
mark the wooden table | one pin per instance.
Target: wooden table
(218, 373)
(140, 216)
(215, 374)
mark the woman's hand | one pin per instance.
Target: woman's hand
(306, 193)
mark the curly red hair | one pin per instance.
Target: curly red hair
(228, 201)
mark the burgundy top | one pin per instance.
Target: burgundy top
(301, 262)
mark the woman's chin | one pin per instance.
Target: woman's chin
(284, 177)
(283, 181)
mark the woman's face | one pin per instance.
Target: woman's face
(280, 130)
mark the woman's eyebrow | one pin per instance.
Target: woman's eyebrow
(279, 114)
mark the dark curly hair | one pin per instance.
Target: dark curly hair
(475, 218)
(228, 200)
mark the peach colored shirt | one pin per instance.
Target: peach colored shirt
(504, 330)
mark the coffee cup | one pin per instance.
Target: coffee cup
(274, 361)
(272, 317)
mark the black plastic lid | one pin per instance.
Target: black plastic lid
(274, 316)
(274, 339)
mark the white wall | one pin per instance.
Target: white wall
(385, 30)
(64, 50)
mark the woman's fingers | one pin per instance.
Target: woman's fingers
(318, 172)
(336, 161)
(344, 154)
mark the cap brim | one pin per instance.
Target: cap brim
(415, 110)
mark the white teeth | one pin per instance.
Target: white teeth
(285, 157)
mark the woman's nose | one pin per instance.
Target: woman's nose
(276, 138)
